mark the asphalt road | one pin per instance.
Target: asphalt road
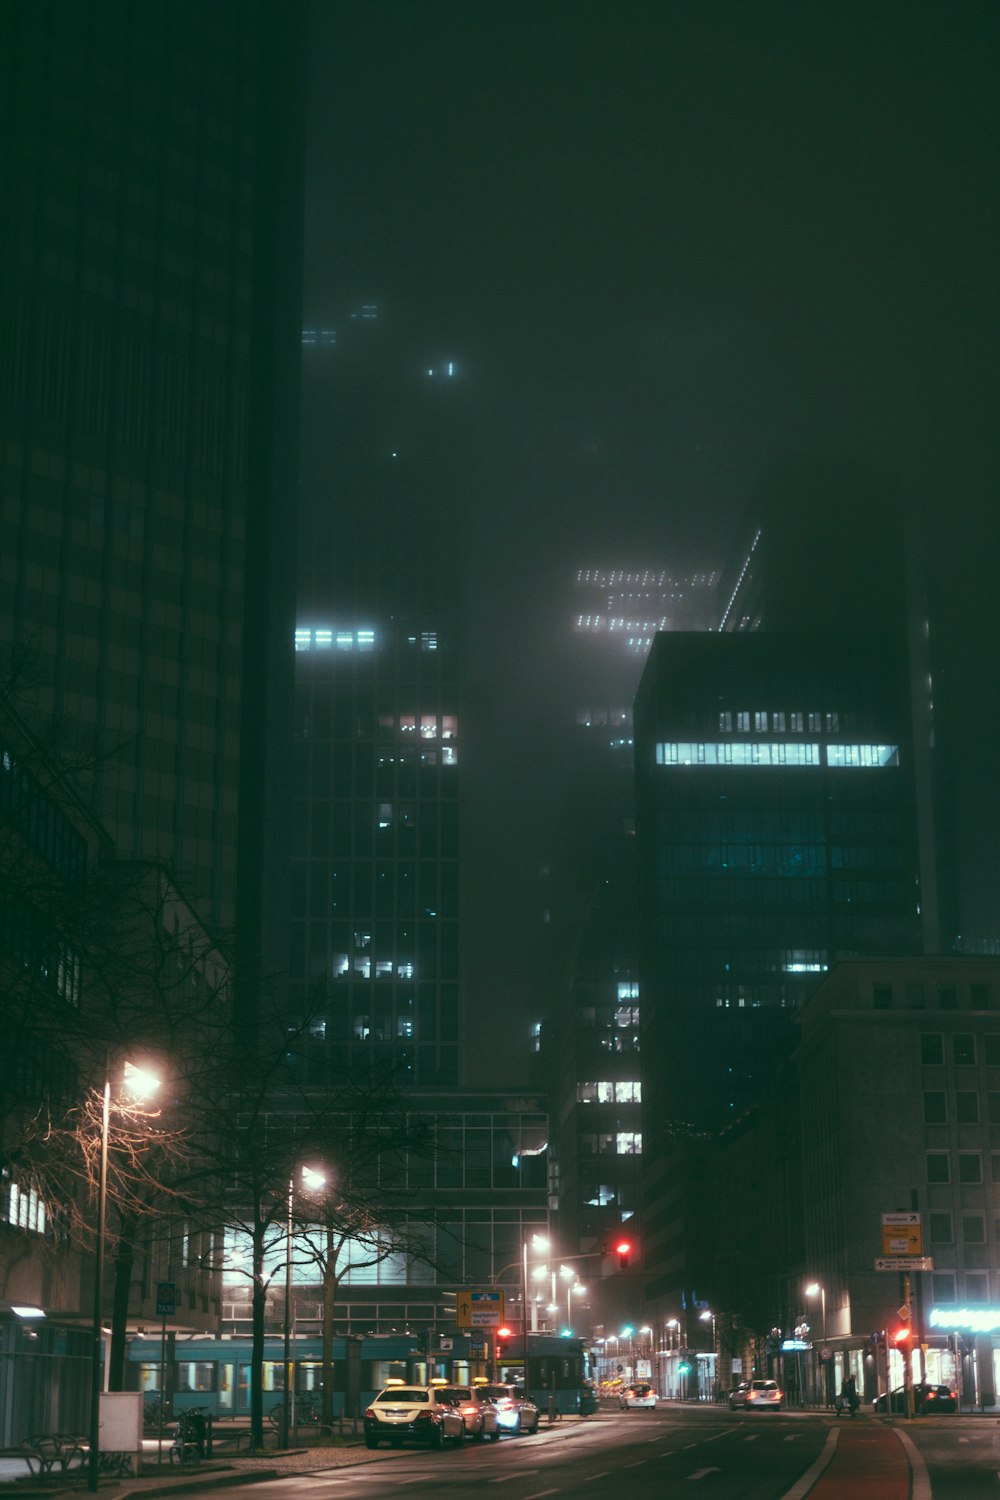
(678, 1453)
(672, 1451)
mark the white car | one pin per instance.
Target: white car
(763, 1395)
(637, 1397)
(516, 1412)
(418, 1413)
(479, 1414)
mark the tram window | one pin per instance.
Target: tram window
(195, 1375)
(309, 1375)
(225, 1387)
(273, 1375)
(149, 1377)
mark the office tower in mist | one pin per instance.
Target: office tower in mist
(149, 327)
(781, 799)
(378, 718)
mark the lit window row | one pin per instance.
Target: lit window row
(424, 726)
(786, 753)
(365, 968)
(323, 639)
(609, 1093)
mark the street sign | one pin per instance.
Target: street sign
(477, 1341)
(902, 1234)
(905, 1263)
(166, 1298)
(483, 1309)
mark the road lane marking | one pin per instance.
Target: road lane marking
(602, 1475)
(700, 1473)
(752, 1438)
(540, 1493)
(522, 1474)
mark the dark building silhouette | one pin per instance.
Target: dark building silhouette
(150, 204)
(783, 809)
(150, 227)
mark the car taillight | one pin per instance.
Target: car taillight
(371, 1412)
(425, 1416)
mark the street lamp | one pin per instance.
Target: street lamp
(574, 1289)
(705, 1317)
(141, 1085)
(538, 1242)
(314, 1181)
(812, 1290)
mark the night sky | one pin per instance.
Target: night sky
(676, 246)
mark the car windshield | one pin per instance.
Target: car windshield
(453, 1393)
(495, 1392)
(402, 1393)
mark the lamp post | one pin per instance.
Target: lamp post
(140, 1084)
(573, 1289)
(539, 1242)
(812, 1290)
(705, 1316)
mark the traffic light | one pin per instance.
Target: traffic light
(901, 1335)
(623, 1250)
(503, 1339)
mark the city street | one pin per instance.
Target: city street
(731, 1455)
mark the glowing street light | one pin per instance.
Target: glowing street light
(141, 1084)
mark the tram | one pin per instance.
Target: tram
(214, 1373)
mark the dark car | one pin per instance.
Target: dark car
(928, 1400)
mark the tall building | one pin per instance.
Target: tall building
(150, 227)
(777, 833)
(379, 664)
(150, 203)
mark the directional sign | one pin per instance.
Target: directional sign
(483, 1309)
(902, 1234)
(905, 1263)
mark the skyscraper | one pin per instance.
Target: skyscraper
(151, 209)
(374, 960)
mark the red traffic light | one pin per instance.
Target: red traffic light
(623, 1249)
(503, 1333)
(901, 1335)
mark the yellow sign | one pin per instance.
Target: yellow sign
(479, 1309)
(902, 1234)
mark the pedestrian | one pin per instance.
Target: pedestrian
(849, 1395)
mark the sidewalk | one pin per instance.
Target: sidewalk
(217, 1473)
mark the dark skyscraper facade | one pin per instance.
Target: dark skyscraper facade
(379, 643)
(150, 204)
(778, 833)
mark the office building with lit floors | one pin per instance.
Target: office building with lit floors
(777, 833)
(898, 1068)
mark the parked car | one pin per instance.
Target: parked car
(928, 1400)
(757, 1395)
(516, 1412)
(415, 1412)
(480, 1416)
(637, 1397)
